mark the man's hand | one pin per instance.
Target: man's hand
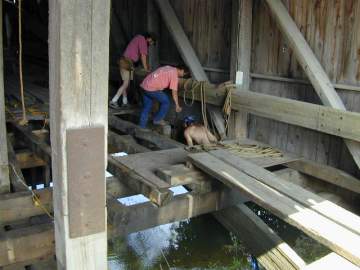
(178, 109)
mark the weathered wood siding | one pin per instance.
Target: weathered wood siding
(128, 18)
(207, 24)
(332, 29)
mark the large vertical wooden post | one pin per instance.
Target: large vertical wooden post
(79, 65)
(241, 56)
(4, 165)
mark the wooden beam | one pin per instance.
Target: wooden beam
(189, 56)
(129, 219)
(327, 232)
(136, 182)
(316, 117)
(36, 143)
(79, 64)
(125, 143)
(333, 261)
(160, 141)
(28, 160)
(310, 65)
(4, 164)
(326, 173)
(20, 205)
(180, 175)
(271, 251)
(122, 221)
(17, 179)
(241, 57)
(26, 244)
(293, 191)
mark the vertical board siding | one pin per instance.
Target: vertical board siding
(332, 29)
(207, 24)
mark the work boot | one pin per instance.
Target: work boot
(161, 123)
(114, 105)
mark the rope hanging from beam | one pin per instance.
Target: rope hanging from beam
(24, 120)
(191, 86)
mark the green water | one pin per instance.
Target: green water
(200, 243)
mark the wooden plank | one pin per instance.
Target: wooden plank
(125, 143)
(189, 56)
(310, 65)
(20, 205)
(79, 64)
(158, 195)
(293, 191)
(4, 164)
(28, 160)
(129, 219)
(35, 143)
(178, 175)
(17, 179)
(332, 235)
(324, 119)
(38, 241)
(333, 261)
(160, 141)
(146, 164)
(327, 173)
(27, 244)
(241, 56)
(271, 251)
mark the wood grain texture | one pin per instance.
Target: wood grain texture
(4, 165)
(79, 63)
(330, 28)
(332, 235)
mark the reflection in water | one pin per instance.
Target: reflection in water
(198, 243)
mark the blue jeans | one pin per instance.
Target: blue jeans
(148, 98)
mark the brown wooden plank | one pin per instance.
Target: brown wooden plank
(293, 191)
(331, 234)
(327, 173)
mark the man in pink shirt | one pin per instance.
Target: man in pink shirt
(136, 49)
(154, 85)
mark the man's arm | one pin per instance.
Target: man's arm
(176, 100)
(144, 62)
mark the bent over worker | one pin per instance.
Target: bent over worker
(136, 49)
(153, 89)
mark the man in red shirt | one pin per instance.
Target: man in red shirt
(154, 85)
(137, 49)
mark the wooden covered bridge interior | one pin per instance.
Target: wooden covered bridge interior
(290, 144)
